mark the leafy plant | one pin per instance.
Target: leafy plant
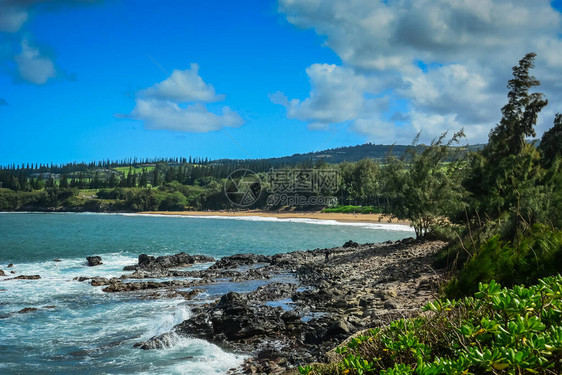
(497, 331)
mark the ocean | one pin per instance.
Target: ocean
(78, 328)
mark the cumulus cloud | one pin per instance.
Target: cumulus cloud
(450, 59)
(183, 86)
(336, 93)
(32, 66)
(176, 104)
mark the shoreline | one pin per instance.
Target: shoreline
(314, 215)
(331, 295)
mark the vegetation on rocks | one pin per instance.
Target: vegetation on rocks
(498, 331)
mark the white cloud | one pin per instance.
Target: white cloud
(183, 86)
(176, 104)
(32, 66)
(167, 115)
(336, 93)
(450, 59)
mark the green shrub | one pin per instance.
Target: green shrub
(498, 331)
(536, 254)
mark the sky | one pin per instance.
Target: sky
(84, 80)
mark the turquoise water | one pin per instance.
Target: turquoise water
(92, 332)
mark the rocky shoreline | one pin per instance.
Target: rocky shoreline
(310, 301)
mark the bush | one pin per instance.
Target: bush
(498, 331)
(536, 254)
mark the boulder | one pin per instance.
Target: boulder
(2, 273)
(350, 244)
(27, 277)
(148, 262)
(233, 318)
(27, 310)
(94, 261)
(238, 260)
(10, 265)
(56, 260)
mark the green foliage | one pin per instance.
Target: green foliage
(536, 253)
(519, 115)
(551, 142)
(360, 182)
(507, 229)
(353, 209)
(498, 331)
(424, 191)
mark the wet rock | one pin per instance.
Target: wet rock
(10, 265)
(233, 318)
(116, 285)
(99, 281)
(164, 262)
(273, 292)
(2, 273)
(350, 244)
(191, 294)
(27, 277)
(57, 260)
(49, 307)
(27, 310)
(94, 261)
(362, 286)
(145, 260)
(81, 278)
(238, 260)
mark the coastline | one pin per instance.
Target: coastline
(309, 302)
(315, 215)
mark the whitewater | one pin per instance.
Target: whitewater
(77, 328)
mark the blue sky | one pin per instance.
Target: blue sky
(90, 80)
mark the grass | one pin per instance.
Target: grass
(125, 170)
(354, 209)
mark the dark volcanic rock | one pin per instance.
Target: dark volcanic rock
(233, 318)
(2, 273)
(273, 292)
(99, 281)
(27, 310)
(27, 277)
(356, 287)
(238, 260)
(148, 262)
(94, 261)
(57, 260)
(351, 244)
(116, 285)
(10, 265)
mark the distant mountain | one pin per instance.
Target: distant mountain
(341, 154)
